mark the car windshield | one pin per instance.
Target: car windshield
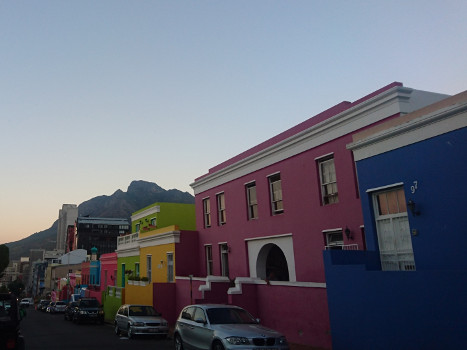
(229, 316)
(142, 311)
(89, 303)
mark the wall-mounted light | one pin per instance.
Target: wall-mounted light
(348, 233)
(412, 208)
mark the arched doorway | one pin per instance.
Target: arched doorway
(272, 264)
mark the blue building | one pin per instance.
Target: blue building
(408, 290)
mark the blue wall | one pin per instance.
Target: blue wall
(423, 309)
(439, 166)
(379, 310)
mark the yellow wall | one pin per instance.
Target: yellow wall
(138, 294)
(158, 261)
(135, 294)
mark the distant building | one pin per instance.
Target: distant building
(66, 217)
(100, 233)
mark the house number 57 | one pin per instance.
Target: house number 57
(414, 187)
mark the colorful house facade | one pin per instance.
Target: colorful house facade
(407, 291)
(265, 216)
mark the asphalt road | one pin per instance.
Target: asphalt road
(44, 331)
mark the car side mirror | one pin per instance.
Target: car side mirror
(200, 320)
(258, 320)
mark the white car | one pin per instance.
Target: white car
(26, 302)
(139, 320)
(224, 327)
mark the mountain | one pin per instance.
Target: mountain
(121, 204)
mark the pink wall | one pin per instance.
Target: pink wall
(109, 265)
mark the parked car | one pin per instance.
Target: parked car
(58, 307)
(42, 305)
(88, 310)
(223, 327)
(140, 319)
(10, 317)
(27, 302)
(69, 310)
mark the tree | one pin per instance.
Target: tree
(4, 258)
(16, 287)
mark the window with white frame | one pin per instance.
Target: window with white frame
(153, 222)
(170, 267)
(327, 176)
(221, 216)
(393, 230)
(149, 267)
(334, 239)
(275, 188)
(224, 255)
(207, 212)
(209, 264)
(252, 202)
(137, 226)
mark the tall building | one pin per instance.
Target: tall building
(66, 217)
(100, 233)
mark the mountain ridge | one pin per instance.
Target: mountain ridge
(120, 204)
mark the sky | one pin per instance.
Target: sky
(96, 94)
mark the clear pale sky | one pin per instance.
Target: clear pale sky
(95, 94)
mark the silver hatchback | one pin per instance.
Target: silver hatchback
(223, 327)
(140, 319)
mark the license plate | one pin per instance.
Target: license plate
(152, 330)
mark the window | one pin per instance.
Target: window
(275, 188)
(170, 267)
(123, 275)
(252, 202)
(137, 228)
(334, 239)
(221, 209)
(207, 212)
(137, 269)
(393, 231)
(327, 175)
(224, 250)
(208, 253)
(153, 222)
(149, 267)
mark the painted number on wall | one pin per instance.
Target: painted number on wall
(414, 187)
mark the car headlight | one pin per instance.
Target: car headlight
(282, 341)
(101, 312)
(238, 340)
(164, 323)
(82, 312)
(138, 324)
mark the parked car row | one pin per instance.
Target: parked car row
(51, 306)
(200, 326)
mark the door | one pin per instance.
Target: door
(393, 230)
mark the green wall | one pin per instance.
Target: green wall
(182, 215)
(129, 262)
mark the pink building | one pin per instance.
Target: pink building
(265, 216)
(108, 270)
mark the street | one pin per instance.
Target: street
(48, 332)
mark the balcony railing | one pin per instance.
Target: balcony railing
(127, 240)
(342, 247)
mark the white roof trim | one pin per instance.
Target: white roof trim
(390, 102)
(422, 128)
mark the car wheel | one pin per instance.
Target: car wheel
(178, 342)
(116, 329)
(129, 332)
(217, 346)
